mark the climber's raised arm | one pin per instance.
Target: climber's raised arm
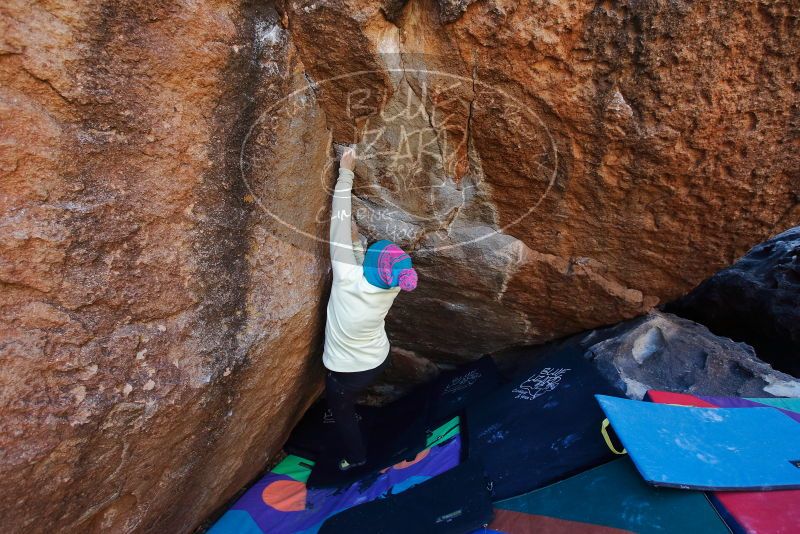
(343, 260)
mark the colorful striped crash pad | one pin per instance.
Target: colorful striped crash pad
(776, 512)
(608, 499)
(788, 407)
(281, 503)
(708, 448)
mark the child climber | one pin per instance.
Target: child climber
(356, 346)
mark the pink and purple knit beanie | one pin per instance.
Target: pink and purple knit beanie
(386, 266)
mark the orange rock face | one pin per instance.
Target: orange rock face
(165, 171)
(159, 337)
(556, 166)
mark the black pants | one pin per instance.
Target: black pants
(341, 392)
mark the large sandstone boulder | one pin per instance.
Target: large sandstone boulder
(557, 166)
(554, 166)
(756, 300)
(158, 335)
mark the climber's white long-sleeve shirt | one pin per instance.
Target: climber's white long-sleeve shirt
(355, 337)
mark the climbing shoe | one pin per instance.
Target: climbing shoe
(344, 465)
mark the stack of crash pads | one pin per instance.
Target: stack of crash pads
(541, 427)
(673, 446)
(611, 498)
(748, 511)
(708, 448)
(454, 502)
(394, 432)
(281, 502)
(415, 446)
(532, 445)
(788, 407)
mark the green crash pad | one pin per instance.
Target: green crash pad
(793, 405)
(610, 496)
(295, 467)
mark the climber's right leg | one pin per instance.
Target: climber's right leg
(342, 400)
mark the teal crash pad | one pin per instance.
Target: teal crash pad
(612, 495)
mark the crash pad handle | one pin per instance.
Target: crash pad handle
(604, 432)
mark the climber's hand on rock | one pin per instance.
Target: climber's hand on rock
(348, 160)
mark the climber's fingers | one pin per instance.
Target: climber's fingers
(348, 160)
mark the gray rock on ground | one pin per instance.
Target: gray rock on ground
(663, 351)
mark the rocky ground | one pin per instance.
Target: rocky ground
(554, 167)
(663, 351)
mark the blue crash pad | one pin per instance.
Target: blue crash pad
(708, 448)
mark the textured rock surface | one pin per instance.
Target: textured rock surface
(756, 300)
(555, 166)
(158, 338)
(558, 166)
(663, 351)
